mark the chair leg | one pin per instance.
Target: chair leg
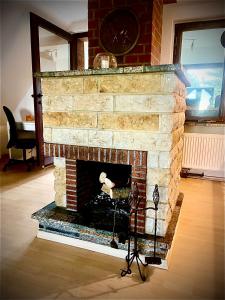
(30, 164)
(26, 161)
(24, 155)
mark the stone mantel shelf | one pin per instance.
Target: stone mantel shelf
(172, 68)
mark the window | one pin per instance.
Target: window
(198, 48)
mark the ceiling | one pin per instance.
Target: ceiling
(70, 15)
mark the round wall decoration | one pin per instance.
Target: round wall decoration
(119, 31)
(223, 39)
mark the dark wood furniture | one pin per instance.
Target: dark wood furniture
(19, 139)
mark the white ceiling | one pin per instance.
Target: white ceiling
(70, 15)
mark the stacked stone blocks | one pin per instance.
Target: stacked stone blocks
(143, 111)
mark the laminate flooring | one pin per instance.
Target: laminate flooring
(33, 268)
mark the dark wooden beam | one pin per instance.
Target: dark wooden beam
(50, 27)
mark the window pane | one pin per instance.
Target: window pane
(204, 95)
(203, 58)
(54, 52)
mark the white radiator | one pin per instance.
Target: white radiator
(204, 151)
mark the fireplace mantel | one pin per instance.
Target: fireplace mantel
(129, 115)
(172, 68)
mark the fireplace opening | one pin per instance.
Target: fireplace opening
(102, 195)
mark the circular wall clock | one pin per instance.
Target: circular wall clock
(119, 31)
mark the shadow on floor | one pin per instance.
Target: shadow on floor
(63, 272)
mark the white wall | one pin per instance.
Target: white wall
(182, 12)
(16, 70)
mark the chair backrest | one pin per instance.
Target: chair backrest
(12, 127)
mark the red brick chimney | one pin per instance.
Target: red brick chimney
(149, 15)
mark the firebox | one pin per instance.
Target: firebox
(102, 195)
(88, 180)
(85, 164)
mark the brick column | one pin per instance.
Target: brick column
(71, 184)
(156, 34)
(149, 15)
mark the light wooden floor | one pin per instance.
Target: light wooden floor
(37, 269)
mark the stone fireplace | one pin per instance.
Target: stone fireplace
(127, 116)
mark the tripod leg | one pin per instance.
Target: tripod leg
(128, 251)
(144, 265)
(139, 269)
(129, 263)
(113, 243)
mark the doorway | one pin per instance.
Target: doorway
(52, 49)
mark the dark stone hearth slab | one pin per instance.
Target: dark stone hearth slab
(68, 223)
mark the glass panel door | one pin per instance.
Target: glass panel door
(54, 52)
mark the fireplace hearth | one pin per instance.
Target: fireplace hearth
(64, 226)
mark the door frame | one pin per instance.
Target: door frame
(36, 22)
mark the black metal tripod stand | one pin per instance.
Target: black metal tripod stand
(135, 200)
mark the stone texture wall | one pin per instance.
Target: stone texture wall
(60, 181)
(123, 111)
